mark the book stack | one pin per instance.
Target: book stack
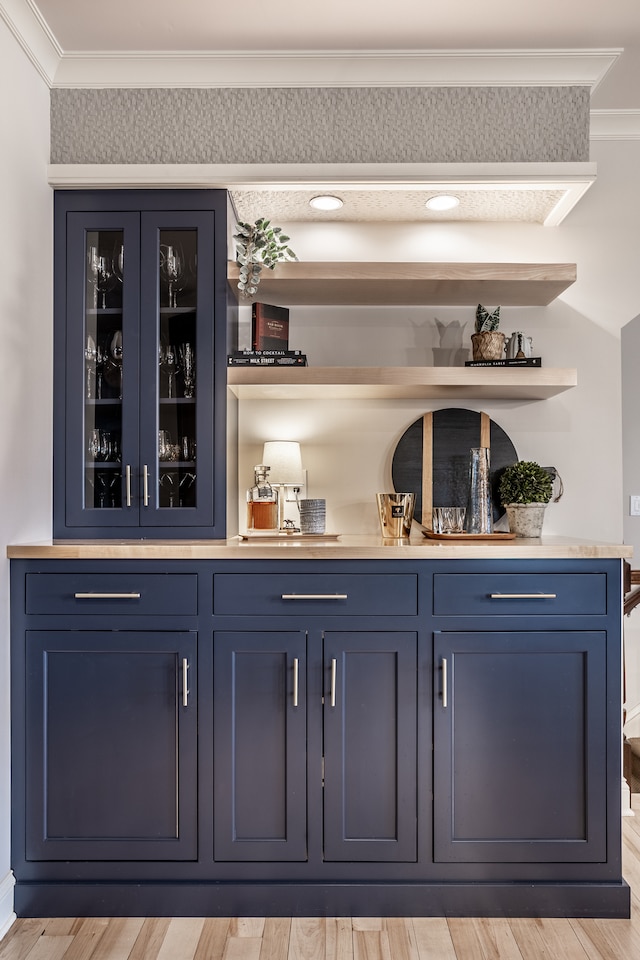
(267, 358)
(516, 362)
(269, 340)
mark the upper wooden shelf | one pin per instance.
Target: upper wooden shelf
(406, 284)
(345, 383)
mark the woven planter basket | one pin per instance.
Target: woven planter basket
(488, 345)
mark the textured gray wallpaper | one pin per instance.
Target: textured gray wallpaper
(320, 125)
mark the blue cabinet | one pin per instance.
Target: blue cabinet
(111, 723)
(140, 363)
(454, 749)
(520, 771)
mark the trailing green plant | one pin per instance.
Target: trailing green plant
(525, 482)
(485, 321)
(259, 245)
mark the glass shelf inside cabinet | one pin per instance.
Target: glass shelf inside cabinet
(103, 356)
(177, 362)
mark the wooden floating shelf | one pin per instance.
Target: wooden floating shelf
(411, 284)
(398, 383)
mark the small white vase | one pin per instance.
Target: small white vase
(525, 519)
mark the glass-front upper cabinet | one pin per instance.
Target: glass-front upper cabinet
(140, 374)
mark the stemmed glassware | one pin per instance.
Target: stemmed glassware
(169, 362)
(115, 351)
(91, 357)
(172, 267)
(100, 275)
(188, 361)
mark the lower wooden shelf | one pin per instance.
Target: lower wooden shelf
(343, 383)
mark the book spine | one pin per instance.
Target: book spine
(523, 362)
(266, 353)
(300, 361)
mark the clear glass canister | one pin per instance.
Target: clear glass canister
(262, 501)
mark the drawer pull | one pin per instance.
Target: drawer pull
(334, 670)
(185, 686)
(444, 683)
(523, 596)
(145, 485)
(296, 667)
(314, 596)
(107, 596)
(127, 473)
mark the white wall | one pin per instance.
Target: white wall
(25, 348)
(348, 446)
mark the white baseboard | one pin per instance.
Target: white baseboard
(7, 916)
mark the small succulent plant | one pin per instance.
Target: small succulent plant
(485, 321)
(525, 482)
(259, 245)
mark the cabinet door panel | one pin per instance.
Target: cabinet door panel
(111, 746)
(101, 402)
(260, 746)
(177, 315)
(370, 759)
(521, 771)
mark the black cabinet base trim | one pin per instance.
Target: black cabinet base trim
(610, 900)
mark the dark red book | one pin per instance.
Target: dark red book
(269, 327)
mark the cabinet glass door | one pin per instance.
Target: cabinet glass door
(177, 358)
(102, 357)
(104, 264)
(176, 439)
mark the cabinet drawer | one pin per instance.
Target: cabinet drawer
(134, 594)
(335, 594)
(514, 594)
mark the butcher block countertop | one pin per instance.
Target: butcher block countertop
(343, 548)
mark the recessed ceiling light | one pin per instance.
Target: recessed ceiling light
(326, 203)
(442, 202)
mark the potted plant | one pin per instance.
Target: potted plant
(259, 245)
(525, 488)
(487, 341)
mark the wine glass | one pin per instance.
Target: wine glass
(172, 267)
(118, 262)
(188, 362)
(90, 356)
(115, 351)
(169, 362)
(100, 275)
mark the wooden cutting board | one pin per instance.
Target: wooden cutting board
(431, 459)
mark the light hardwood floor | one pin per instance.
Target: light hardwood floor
(346, 938)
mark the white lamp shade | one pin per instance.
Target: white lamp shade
(285, 461)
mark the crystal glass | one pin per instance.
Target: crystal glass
(480, 508)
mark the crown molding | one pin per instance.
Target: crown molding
(361, 68)
(615, 125)
(27, 25)
(300, 68)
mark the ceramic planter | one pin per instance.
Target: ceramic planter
(525, 519)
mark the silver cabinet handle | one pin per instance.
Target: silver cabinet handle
(145, 485)
(127, 474)
(107, 596)
(523, 596)
(185, 686)
(444, 683)
(314, 596)
(334, 671)
(296, 669)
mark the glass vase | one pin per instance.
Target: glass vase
(480, 508)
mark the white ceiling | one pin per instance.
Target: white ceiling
(283, 25)
(81, 32)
